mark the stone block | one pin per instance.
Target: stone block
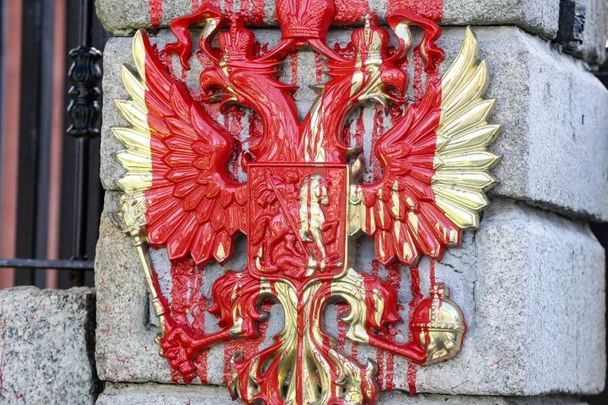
(46, 346)
(530, 284)
(138, 394)
(553, 142)
(592, 17)
(538, 17)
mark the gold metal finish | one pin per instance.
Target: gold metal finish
(462, 160)
(442, 334)
(136, 160)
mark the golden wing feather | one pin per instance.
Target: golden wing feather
(135, 158)
(462, 159)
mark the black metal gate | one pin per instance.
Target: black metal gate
(81, 197)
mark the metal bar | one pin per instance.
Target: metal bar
(47, 264)
(45, 116)
(31, 101)
(84, 111)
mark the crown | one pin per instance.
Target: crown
(371, 41)
(237, 42)
(305, 18)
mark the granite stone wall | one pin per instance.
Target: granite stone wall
(530, 281)
(47, 346)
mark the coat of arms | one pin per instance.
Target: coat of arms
(304, 202)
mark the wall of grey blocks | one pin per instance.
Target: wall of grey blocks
(530, 280)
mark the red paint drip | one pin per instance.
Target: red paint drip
(343, 310)
(294, 69)
(415, 288)
(380, 377)
(359, 129)
(234, 119)
(411, 378)
(432, 9)
(318, 68)
(379, 353)
(418, 75)
(432, 273)
(188, 305)
(377, 132)
(156, 12)
(394, 279)
(416, 297)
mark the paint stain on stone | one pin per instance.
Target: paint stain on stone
(188, 305)
(432, 9)
(156, 12)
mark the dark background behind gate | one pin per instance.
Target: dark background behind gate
(38, 165)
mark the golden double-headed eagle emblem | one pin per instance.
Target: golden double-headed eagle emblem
(303, 191)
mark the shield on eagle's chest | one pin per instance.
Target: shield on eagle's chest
(298, 220)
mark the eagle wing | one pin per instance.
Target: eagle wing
(435, 167)
(175, 162)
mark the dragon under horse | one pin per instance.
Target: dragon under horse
(303, 203)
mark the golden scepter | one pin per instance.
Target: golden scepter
(132, 220)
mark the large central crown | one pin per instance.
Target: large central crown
(305, 19)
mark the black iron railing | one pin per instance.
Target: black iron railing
(80, 148)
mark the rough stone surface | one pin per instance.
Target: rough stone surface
(143, 394)
(554, 142)
(530, 284)
(539, 17)
(46, 346)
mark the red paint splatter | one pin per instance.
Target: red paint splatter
(188, 305)
(254, 10)
(350, 11)
(354, 350)
(156, 12)
(380, 378)
(379, 353)
(318, 68)
(294, 69)
(229, 6)
(377, 132)
(415, 287)
(418, 75)
(416, 297)
(394, 279)
(432, 9)
(411, 378)
(360, 129)
(343, 310)
(231, 347)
